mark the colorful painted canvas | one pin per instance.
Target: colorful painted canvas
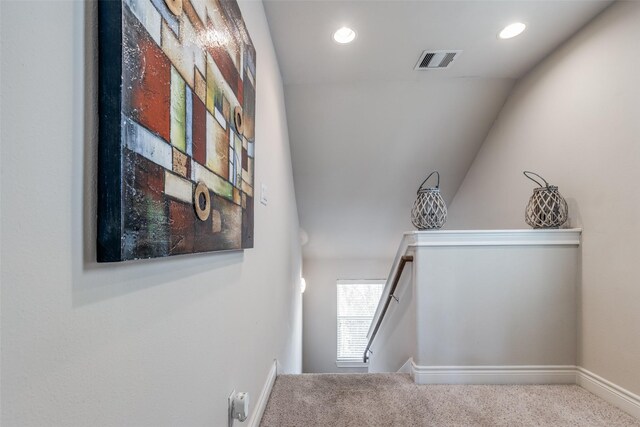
(177, 128)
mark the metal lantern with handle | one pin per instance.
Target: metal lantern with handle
(546, 207)
(429, 210)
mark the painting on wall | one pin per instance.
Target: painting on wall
(177, 128)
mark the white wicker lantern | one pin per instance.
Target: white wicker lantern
(546, 207)
(429, 210)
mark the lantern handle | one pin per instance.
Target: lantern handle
(437, 184)
(546, 184)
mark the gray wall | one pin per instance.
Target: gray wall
(576, 120)
(146, 343)
(320, 307)
(496, 305)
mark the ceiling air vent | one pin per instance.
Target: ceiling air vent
(433, 59)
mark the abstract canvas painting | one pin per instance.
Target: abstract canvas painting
(176, 154)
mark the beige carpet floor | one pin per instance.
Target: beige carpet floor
(340, 400)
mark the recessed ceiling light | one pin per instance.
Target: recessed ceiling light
(344, 35)
(512, 30)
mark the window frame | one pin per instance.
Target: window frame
(354, 363)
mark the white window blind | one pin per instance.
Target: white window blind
(357, 303)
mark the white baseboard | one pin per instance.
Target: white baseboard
(493, 374)
(616, 395)
(261, 403)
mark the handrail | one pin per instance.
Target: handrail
(403, 260)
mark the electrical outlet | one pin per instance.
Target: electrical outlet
(238, 407)
(263, 194)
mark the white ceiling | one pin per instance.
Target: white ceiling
(365, 128)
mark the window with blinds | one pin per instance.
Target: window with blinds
(357, 303)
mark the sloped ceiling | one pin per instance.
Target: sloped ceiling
(366, 129)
